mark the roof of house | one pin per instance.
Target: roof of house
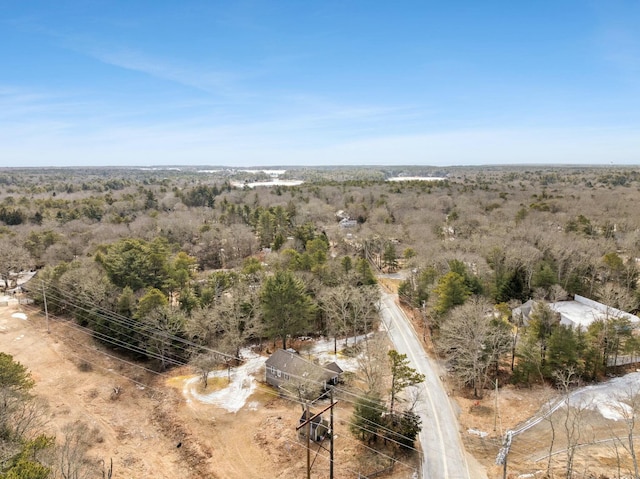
(296, 365)
(580, 312)
(333, 366)
(524, 309)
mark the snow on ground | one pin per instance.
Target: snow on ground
(235, 395)
(241, 184)
(322, 350)
(416, 178)
(608, 398)
(25, 277)
(19, 316)
(243, 378)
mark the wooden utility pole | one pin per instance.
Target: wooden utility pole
(46, 311)
(331, 447)
(307, 416)
(495, 415)
(503, 453)
(308, 420)
(424, 321)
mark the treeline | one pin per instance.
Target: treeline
(503, 235)
(148, 298)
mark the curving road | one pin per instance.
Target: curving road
(444, 455)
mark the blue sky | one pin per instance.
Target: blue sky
(259, 83)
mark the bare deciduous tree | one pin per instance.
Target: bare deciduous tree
(350, 309)
(72, 452)
(628, 406)
(473, 340)
(573, 420)
(233, 319)
(306, 385)
(373, 364)
(13, 259)
(205, 363)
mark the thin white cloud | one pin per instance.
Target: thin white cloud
(216, 82)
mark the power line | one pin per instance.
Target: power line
(84, 330)
(134, 325)
(377, 429)
(65, 299)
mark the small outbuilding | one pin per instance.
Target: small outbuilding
(318, 427)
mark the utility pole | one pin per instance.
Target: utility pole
(503, 453)
(424, 321)
(307, 417)
(308, 420)
(46, 311)
(331, 447)
(495, 416)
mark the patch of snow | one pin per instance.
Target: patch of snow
(322, 350)
(346, 363)
(235, 395)
(477, 432)
(325, 345)
(25, 277)
(608, 397)
(416, 178)
(239, 184)
(19, 316)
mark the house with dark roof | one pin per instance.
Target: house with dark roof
(284, 366)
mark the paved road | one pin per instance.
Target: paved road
(444, 455)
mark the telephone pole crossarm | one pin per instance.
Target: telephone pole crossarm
(303, 424)
(308, 421)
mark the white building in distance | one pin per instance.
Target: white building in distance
(579, 313)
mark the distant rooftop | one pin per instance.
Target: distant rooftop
(581, 312)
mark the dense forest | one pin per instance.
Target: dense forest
(129, 249)
(177, 265)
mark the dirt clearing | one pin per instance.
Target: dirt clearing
(150, 429)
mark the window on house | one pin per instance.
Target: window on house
(286, 376)
(279, 373)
